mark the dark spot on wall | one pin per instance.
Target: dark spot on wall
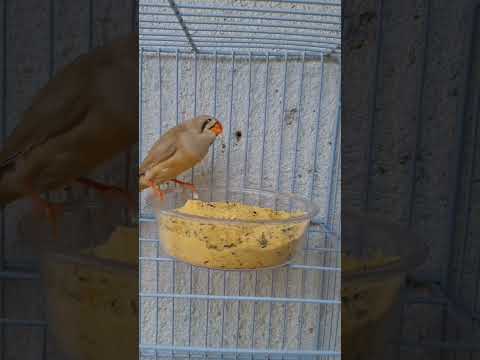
(366, 17)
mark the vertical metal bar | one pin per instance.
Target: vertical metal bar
(284, 335)
(474, 162)
(52, 38)
(319, 327)
(302, 305)
(212, 166)
(238, 312)
(254, 314)
(173, 306)
(158, 242)
(160, 91)
(338, 308)
(128, 153)
(297, 137)
(418, 137)
(190, 311)
(419, 108)
(282, 116)
(193, 175)
(140, 110)
(470, 176)
(245, 159)
(317, 133)
(264, 128)
(176, 86)
(373, 100)
(208, 311)
(230, 122)
(44, 343)
(134, 15)
(195, 84)
(317, 127)
(223, 309)
(272, 294)
(140, 141)
(325, 289)
(194, 97)
(335, 275)
(332, 191)
(211, 184)
(51, 65)
(90, 24)
(3, 343)
(459, 163)
(174, 263)
(156, 304)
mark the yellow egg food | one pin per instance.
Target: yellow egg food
(122, 246)
(367, 304)
(376, 261)
(230, 246)
(82, 291)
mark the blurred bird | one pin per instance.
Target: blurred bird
(177, 151)
(84, 116)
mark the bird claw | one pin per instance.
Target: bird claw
(109, 191)
(186, 185)
(52, 211)
(159, 193)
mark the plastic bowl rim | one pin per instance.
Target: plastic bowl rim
(311, 211)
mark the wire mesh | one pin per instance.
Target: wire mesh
(41, 31)
(270, 71)
(449, 319)
(250, 27)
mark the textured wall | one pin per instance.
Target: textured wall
(406, 70)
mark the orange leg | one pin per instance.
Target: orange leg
(109, 191)
(186, 185)
(52, 210)
(156, 189)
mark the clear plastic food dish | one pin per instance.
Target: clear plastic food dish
(234, 229)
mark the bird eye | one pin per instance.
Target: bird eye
(205, 124)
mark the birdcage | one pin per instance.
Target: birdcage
(270, 70)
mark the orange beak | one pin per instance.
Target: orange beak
(217, 128)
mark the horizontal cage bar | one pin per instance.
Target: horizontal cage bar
(307, 2)
(312, 36)
(245, 17)
(243, 9)
(280, 45)
(273, 25)
(180, 349)
(155, 35)
(239, 46)
(240, 298)
(23, 323)
(292, 266)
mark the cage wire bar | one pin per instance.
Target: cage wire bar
(287, 313)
